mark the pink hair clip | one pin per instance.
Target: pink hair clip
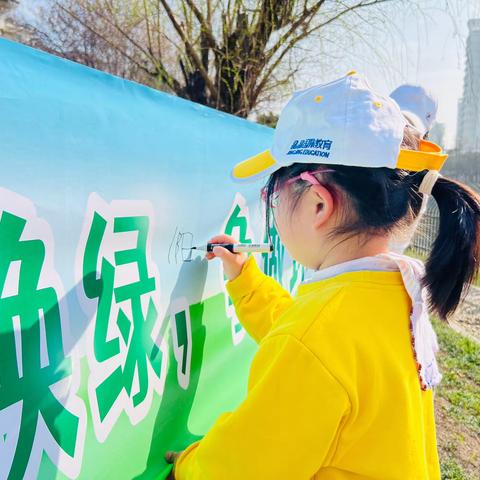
(306, 176)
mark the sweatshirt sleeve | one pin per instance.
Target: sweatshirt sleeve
(258, 299)
(287, 426)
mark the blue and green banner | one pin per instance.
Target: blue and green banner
(116, 344)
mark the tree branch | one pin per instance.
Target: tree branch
(304, 34)
(105, 39)
(157, 63)
(190, 50)
(206, 28)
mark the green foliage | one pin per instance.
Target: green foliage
(269, 119)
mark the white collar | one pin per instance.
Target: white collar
(375, 262)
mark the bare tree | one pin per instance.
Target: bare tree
(9, 27)
(6, 5)
(227, 54)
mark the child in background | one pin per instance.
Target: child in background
(419, 107)
(341, 386)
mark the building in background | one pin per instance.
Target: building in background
(468, 121)
(437, 134)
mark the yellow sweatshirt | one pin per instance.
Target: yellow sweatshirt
(333, 391)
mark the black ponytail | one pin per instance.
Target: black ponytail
(453, 263)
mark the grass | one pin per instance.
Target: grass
(452, 471)
(457, 404)
(459, 359)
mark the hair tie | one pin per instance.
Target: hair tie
(429, 181)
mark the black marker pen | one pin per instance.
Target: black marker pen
(238, 247)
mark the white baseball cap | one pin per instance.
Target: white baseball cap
(342, 122)
(417, 104)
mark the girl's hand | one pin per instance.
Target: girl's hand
(171, 457)
(232, 262)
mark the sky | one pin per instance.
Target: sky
(413, 41)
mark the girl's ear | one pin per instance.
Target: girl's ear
(324, 204)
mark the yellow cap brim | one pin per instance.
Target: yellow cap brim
(429, 156)
(255, 167)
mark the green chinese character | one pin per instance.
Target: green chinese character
(24, 376)
(181, 341)
(135, 327)
(296, 268)
(237, 223)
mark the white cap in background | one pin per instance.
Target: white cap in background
(418, 105)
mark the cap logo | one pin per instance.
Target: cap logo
(317, 147)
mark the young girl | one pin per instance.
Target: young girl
(342, 384)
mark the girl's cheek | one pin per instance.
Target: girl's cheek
(283, 222)
(280, 213)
